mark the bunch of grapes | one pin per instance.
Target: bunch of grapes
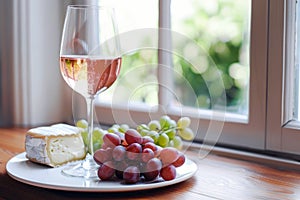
(132, 157)
(165, 132)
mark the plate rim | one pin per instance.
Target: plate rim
(121, 188)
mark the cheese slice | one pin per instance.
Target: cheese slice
(54, 145)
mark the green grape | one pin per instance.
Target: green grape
(186, 133)
(173, 124)
(123, 128)
(154, 125)
(163, 140)
(171, 133)
(84, 135)
(98, 135)
(142, 127)
(177, 142)
(184, 122)
(144, 132)
(171, 143)
(82, 124)
(164, 122)
(97, 145)
(115, 126)
(97, 138)
(154, 135)
(113, 129)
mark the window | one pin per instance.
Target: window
(214, 59)
(138, 27)
(244, 74)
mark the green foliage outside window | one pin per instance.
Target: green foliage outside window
(222, 31)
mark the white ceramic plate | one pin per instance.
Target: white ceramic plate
(23, 170)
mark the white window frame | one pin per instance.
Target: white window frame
(283, 131)
(247, 134)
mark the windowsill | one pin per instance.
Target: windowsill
(263, 158)
(222, 116)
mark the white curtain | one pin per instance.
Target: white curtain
(32, 91)
(6, 112)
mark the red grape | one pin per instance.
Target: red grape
(111, 140)
(131, 174)
(106, 171)
(121, 135)
(152, 169)
(147, 154)
(150, 176)
(104, 146)
(180, 160)
(147, 139)
(118, 153)
(168, 155)
(133, 151)
(158, 150)
(168, 173)
(102, 155)
(120, 167)
(154, 164)
(132, 136)
(151, 146)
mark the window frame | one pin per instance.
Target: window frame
(283, 131)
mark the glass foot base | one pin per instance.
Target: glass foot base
(86, 169)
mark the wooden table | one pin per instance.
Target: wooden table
(218, 177)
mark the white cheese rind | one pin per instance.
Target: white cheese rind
(36, 149)
(54, 145)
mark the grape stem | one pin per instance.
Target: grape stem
(163, 129)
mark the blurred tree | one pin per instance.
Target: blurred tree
(222, 33)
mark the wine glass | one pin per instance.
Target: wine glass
(90, 62)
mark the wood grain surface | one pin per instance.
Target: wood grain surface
(218, 177)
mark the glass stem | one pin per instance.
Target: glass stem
(90, 119)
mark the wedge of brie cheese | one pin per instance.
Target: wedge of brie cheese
(54, 145)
